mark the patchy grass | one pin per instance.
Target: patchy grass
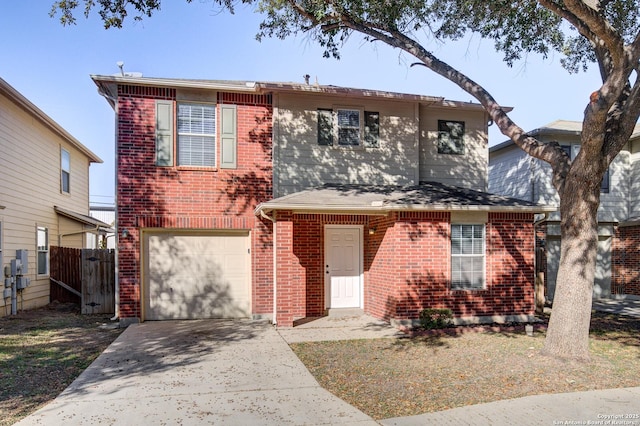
(42, 351)
(389, 378)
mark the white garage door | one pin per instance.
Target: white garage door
(190, 276)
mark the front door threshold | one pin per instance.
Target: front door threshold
(344, 312)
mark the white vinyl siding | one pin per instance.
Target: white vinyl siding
(65, 171)
(467, 257)
(43, 250)
(510, 174)
(32, 175)
(306, 152)
(468, 170)
(196, 135)
(634, 187)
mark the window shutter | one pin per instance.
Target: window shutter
(371, 129)
(164, 133)
(325, 127)
(228, 137)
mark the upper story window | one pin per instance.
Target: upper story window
(349, 127)
(42, 245)
(450, 137)
(196, 135)
(467, 257)
(606, 178)
(65, 170)
(195, 138)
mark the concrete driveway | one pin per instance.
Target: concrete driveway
(197, 372)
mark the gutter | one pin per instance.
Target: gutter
(386, 209)
(113, 101)
(275, 257)
(95, 231)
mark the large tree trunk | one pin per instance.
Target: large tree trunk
(568, 332)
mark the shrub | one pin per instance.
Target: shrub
(436, 318)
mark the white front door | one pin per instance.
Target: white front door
(343, 266)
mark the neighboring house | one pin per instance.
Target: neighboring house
(107, 239)
(515, 174)
(285, 201)
(44, 192)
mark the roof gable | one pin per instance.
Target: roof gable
(17, 98)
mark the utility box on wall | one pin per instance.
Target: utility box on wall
(23, 255)
(22, 282)
(20, 265)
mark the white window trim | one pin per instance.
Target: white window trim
(484, 256)
(214, 135)
(336, 125)
(38, 251)
(63, 171)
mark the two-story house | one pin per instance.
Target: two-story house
(285, 201)
(44, 195)
(513, 173)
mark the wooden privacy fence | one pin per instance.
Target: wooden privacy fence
(84, 276)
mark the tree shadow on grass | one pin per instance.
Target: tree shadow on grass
(621, 329)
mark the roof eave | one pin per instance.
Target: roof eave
(81, 218)
(248, 86)
(386, 209)
(12, 94)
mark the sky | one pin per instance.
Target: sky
(51, 66)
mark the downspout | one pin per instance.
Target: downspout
(114, 101)
(91, 231)
(539, 298)
(275, 286)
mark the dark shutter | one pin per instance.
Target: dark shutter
(325, 127)
(371, 129)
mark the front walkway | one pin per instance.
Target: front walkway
(197, 373)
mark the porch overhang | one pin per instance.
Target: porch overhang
(384, 199)
(83, 219)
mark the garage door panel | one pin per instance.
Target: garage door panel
(194, 276)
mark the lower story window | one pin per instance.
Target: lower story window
(43, 250)
(467, 257)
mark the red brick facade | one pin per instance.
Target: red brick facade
(191, 198)
(406, 265)
(625, 275)
(406, 255)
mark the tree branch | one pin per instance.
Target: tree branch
(600, 27)
(550, 153)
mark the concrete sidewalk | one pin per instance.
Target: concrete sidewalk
(605, 407)
(244, 373)
(197, 373)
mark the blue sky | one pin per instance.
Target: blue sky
(51, 65)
